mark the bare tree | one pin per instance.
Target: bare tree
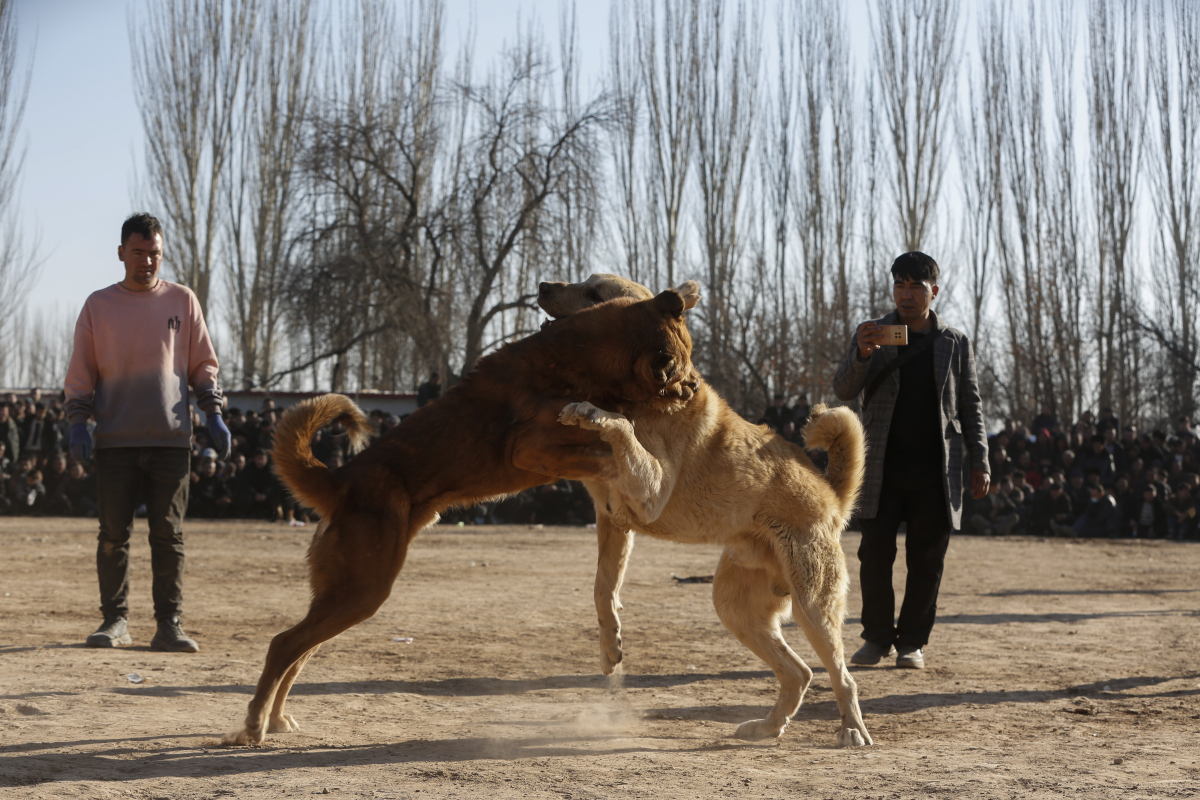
(670, 63)
(727, 96)
(1068, 284)
(19, 262)
(520, 159)
(264, 197)
(777, 166)
(374, 246)
(189, 59)
(914, 55)
(978, 136)
(630, 206)
(1173, 63)
(1116, 119)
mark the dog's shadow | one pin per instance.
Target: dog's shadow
(467, 687)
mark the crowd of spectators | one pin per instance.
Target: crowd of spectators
(1090, 478)
(37, 478)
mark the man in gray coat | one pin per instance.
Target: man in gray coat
(917, 467)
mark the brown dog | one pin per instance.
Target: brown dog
(701, 473)
(495, 434)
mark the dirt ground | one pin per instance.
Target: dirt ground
(1056, 668)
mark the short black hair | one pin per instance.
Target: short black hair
(141, 223)
(915, 266)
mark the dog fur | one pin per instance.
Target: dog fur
(559, 299)
(495, 434)
(701, 473)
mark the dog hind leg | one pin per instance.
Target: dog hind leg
(819, 585)
(750, 602)
(351, 578)
(280, 722)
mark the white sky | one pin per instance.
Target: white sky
(83, 132)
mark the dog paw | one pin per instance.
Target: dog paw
(758, 729)
(852, 737)
(284, 723)
(610, 659)
(586, 415)
(243, 738)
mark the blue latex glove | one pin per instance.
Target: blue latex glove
(81, 442)
(219, 433)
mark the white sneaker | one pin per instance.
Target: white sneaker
(295, 523)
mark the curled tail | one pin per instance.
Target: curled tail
(309, 480)
(838, 432)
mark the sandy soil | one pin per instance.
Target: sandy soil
(1057, 668)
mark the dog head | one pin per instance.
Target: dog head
(559, 299)
(628, 351)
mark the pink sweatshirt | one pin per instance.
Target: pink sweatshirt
(135, 355)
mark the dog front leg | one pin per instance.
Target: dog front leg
(642, 482)
(615, 543)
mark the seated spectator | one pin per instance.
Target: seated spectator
(80, 491)
(1097, 458)
(209, 496)
(801, 411)
(55, 480)
(1077, 490)
(1148, 516)
(1108, 421)
(1022, 496)
(429, 391)
(1030, 473)
(258, 492)
(776, 414)
(996, 514)
(998, 457)
(1120, 448)
(1051, 507)
(554, 503)
(31, 494)
(1100, 519)
(1045, 420)
(517, 509)
(790, 433)
(1181, 515)
(16, 478)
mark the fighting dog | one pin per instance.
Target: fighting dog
(494, 434)
(701, 473)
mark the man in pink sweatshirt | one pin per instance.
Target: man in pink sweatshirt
(139, 345)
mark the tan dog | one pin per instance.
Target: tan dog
(560, 299)
(494, 434)
(701, 473)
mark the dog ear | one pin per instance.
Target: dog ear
(690, 292)
(669, 303)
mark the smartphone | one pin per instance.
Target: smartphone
(895, 334)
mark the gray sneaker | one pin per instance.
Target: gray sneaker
(113, 633)
(871, 654)
(170, 638)
(910, 658)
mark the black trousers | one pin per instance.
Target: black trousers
(159, 476)
(923, 508)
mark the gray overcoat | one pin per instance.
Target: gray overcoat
(960, 411)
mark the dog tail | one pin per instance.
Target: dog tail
(838, 432)
(309, 480)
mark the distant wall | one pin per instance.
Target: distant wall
(397, 404)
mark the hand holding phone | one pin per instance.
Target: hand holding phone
(894, 334)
